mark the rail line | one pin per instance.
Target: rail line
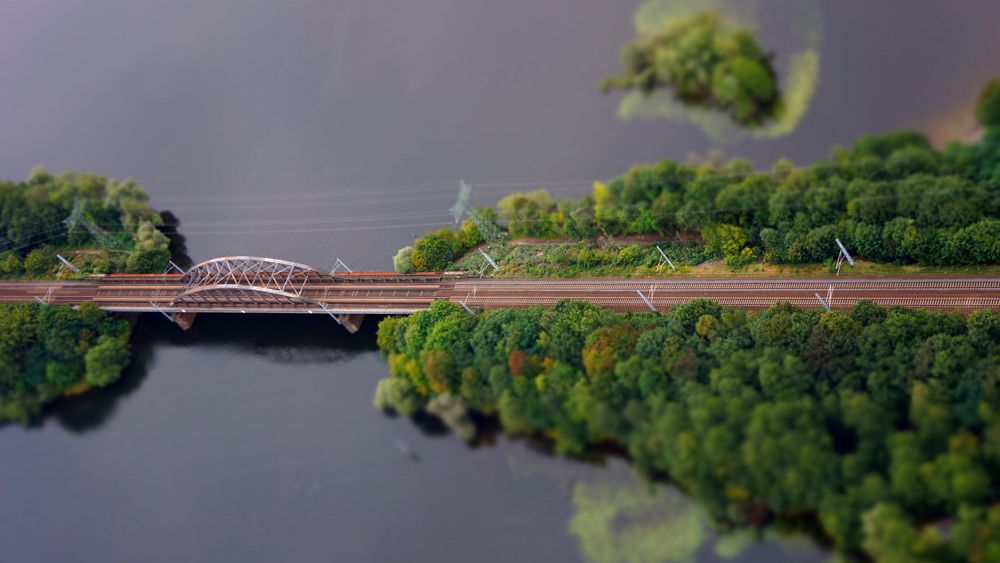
(264, 285)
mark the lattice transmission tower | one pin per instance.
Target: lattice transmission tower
(78, 218)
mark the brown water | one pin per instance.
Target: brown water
(312, 130)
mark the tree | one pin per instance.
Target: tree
(485, 219)
(40, 261)
(977, 243)
(44, 352)
(891, 537)
(151, 251)
(727, 240)
(977, 533)
(739, 203)
(909, 160)
(435, 251)
(882, 146)
(402, 262)
(988, 107)
(528, 213)
(132, 202)
(10, 264)
(706, 61)
(105, 361)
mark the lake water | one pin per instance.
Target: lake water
(313, 130)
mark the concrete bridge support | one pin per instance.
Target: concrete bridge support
(184, 320)
(351, 322)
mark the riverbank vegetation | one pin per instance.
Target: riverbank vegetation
(706, 61)
(877, 426)
(890, 198)
(618, 258)
(102, 225)
(47, 351)
(575, 259)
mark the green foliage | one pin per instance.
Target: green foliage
(728, 240)
(46, 351)
(579, 259)
(529, 214)
(151, 251)
(402, 262)
(988, 107)
(435, 251)
(10, 264)
(105, 361)
(884, 145)
(891, 198)
(872, 423)
(707, 62)
(40, 261)
(485, 221)
(32, 215)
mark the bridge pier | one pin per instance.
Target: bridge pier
(351, 322)
(184, 320)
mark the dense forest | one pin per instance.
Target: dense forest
(49, 351)
(890, 198)
(706, 61)
(881, 428)
(105, 225)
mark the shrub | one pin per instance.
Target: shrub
(40, 261)
(402, 262)
(11, 264)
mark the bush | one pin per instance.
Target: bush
(151, 251)
(147, 261)
(402, 262)
(40, 261)
(11, 264)
(105, 361)
(728, 241)
(435, 251)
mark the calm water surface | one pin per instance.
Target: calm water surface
(312, 130)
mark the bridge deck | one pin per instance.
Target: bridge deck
(374, 293)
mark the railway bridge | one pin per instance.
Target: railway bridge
(246, 284)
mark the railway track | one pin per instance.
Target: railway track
(658, 294)
(373, 293)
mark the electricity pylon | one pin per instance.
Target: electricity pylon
(78, 217)
(462, 206)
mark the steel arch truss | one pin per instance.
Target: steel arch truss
(250, 272)
(247, 282)
(241, 297)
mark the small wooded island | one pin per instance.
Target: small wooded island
(706, 61)
(103, 226)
